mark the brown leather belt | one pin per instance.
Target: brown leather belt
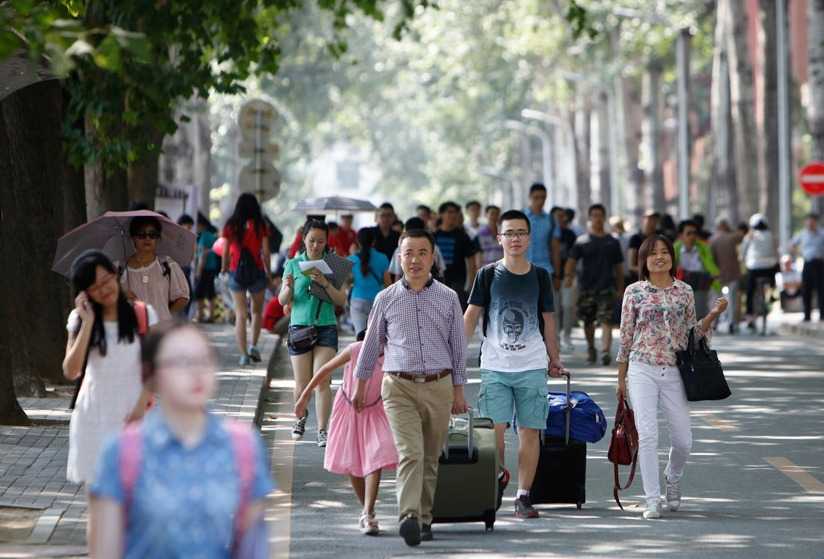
(421, 378)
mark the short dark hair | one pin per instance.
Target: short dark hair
(185, 219)
(417, 234)
(570, 214)
(596, 206)
(138, 223)
(490, 208)
(536, 186)
(414, 223)
(386, 206)
(687, 223)
(646, 248)
(472, 203)
(446, 205)
(813, 215)
(423, 207)
(509, 215)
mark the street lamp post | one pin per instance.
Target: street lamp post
(545, 153)
(566, 127)
(502, 175)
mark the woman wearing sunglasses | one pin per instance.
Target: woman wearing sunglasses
(157, 280)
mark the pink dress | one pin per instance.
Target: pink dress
(359, 443)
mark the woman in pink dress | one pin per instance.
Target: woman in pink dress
(360, 445)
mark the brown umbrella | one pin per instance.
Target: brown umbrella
(109, 233)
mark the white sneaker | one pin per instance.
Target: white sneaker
(673, 495)
(653, 510)
(322, 436)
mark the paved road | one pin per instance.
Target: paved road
(754, 486)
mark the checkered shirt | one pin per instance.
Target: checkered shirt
(423, 332)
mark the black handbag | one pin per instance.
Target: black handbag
(701, 371)
(301, 339)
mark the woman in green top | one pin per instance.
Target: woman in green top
(307, 310)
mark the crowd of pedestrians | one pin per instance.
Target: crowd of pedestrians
(415, 294)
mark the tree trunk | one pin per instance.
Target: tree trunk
(105, 191)
(654, 165)
(629, 120)
(768, 47)
(724, 187)
(743, 111)
(582, 156)
(31, 195)
(143, 179)
(602, 123)
(815, 108)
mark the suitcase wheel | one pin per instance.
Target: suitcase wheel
(579, 505)
(489, 520)
(490, 526)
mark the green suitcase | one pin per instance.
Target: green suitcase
(467, 488)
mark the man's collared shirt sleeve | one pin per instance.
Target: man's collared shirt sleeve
(375, 336)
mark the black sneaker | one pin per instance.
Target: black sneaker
(410, 531)
(503, 481)
(524, 508)
(426, 532)
(299, 428)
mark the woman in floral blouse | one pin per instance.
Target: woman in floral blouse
(657, 315)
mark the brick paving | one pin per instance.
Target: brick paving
(33, 459)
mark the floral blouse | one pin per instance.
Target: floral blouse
(655, 323)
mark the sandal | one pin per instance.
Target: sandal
(368, 525)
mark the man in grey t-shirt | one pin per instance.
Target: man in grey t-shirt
(517, 351)
(600, 281)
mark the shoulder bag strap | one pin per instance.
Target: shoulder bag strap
(244, 455)
(129, 458)
(617, 486)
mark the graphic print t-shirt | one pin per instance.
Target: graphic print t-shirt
(513, 340)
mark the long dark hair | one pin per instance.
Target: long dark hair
(366, 237)
(646, 248)
(83, 275)
(246, 208)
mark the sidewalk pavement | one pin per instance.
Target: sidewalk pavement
(33, 459)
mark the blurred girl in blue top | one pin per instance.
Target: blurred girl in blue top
(370, 275)
(185, 497)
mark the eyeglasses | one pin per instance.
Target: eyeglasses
(150, 234)
(515, 234)
(95, 289)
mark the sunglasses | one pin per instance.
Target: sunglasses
(150, 234)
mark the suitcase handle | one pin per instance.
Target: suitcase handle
(471, 413)
(567, 410)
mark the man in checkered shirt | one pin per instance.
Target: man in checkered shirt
(419, 322)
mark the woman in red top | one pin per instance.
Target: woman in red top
(246, 229)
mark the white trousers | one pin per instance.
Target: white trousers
(652, 387)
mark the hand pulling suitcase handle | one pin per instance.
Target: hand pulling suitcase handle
(471, 413)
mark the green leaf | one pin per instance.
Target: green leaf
(8, 43)
(107, 55)
(22, 6)
(74, 7)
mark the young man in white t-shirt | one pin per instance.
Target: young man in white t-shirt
(517, 352)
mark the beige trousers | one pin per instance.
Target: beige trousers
(418, 414)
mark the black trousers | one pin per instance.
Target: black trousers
(812, 279)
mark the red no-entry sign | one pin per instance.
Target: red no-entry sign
(812, 178)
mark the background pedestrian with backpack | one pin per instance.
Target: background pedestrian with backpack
(246, 259)
(183, 483)
(519, 348)
(104, 348)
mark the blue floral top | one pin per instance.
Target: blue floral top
(185, 499)
(655, 323)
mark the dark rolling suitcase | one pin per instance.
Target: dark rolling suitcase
(560, 477)
(467, 487)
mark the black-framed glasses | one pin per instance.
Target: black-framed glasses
(150, 234)
(521, 234)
